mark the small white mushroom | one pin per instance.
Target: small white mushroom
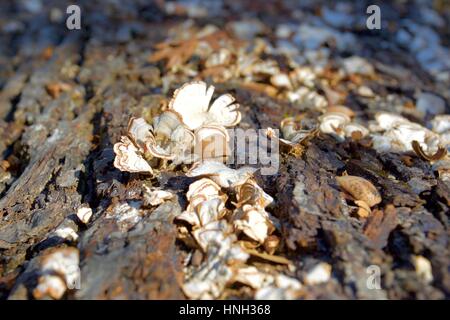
(204, 187)
(308, 97)
(341, 109)
(192, 102)
(303, 76)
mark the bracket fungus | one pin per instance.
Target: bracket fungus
(191, 129)
(215, 228)
(84, 214)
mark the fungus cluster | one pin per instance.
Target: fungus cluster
(191, 130)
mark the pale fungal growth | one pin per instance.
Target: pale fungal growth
(213, 275)
(341, 109)
(129, 157)
(212, 142)
(126, 215)
(214, 236)
(363, 209)
(250, 216)
(66, 233)
(206, 203)
(337, 121)
(173, 140)
(308, 97)
(218, 230)
(423, 268)
(440, 153)
(141, 133)
(214, 229)
(388, 121)
(282, 288)
(252, 277)
(292, 134)
(191, 130)
(303, 76)
(59, 271)
(355, 131)
(441, 125)
(320, 273)
(50, 286)
(293, 137)
(203, 188)
(333, 123)
(220, 173)
(254, 222)
(281, 80)
(251, 68)
(84, 214)
(360, 189)
(268, 286)
(399, 134)
(251, 193)
(219, 58)
(366, 92)
(192, 101)
(155, 197)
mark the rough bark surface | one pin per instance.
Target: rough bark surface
(58, 146)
